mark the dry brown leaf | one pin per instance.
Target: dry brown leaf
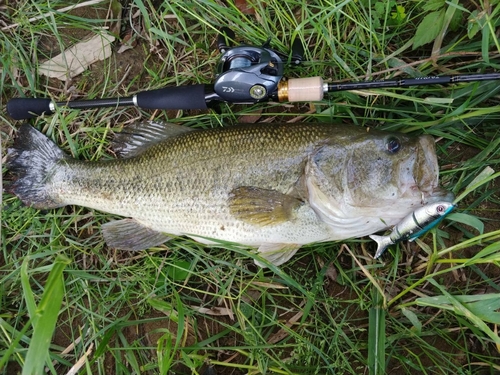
(331, 273)
(78, 58)
(250, 118)
(282, 333)
(129, 41)
(244, 6)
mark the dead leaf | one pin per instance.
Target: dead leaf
(83, 359)
(269, 285)
(78, 58)
(129, 41)
(250, 118)
(282, 333)
(331, 273)
(244, 6)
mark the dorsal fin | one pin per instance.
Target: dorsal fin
(136, 138)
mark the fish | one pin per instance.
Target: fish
(414, 225)
(269, 187)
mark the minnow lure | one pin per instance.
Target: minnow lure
(413, 225)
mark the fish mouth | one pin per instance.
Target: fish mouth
(426, 173)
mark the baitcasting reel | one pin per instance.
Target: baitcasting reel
(246, 73)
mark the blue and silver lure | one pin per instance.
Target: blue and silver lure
(414, 225)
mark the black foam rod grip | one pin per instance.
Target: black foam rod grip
(25, 108)
(177, 97)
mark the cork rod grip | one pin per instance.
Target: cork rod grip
(301, 90)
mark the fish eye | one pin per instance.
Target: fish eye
(440, 208)
(393, 145)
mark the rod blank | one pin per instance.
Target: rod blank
(406, 82)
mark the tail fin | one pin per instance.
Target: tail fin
(383, 243)
(33, 159)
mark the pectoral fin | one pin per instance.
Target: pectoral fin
(129, 234)
(262, 206)
(276, 253)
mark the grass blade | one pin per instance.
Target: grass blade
(452, 303)
(44, 320)
(376, 337)
(13, 345)
(467, 219)
(489, 253)
(28, 293)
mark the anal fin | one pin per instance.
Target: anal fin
(129, 234)
(276, 253)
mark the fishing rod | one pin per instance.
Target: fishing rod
(244, 75)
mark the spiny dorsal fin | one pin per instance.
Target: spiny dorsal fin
(136, 138)
(261, 206)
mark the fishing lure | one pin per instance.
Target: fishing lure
(413, 225)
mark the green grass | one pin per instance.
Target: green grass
(428, 308)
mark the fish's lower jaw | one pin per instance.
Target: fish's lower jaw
(439, 195)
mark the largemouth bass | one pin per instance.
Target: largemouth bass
(272, 187)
